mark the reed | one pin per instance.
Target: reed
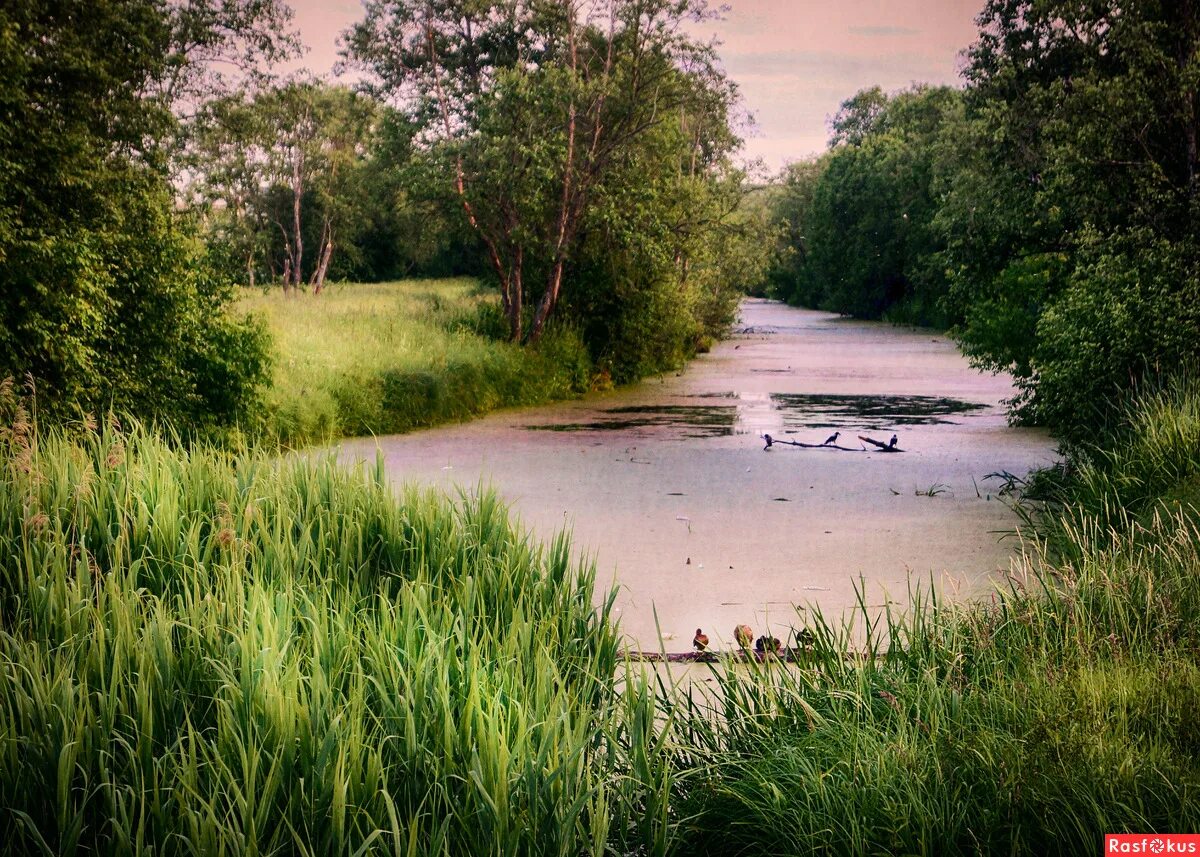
(1064, 707)
(205, 652)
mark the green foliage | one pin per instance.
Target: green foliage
(212, 653)
(1131, 311)
(282, 170)
(104, 297)
(569, 138)
(858, 223)
(1070, 222)
(1047, 213)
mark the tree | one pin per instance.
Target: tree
(303, 137)
(103, 299)
(532, 104)
(860, 219)
(1077, 191)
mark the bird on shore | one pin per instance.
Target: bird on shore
(892, 442)
(700, 641)
(832, 438)
(744, 635)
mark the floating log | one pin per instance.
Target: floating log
(883, 447)
(790, 656)
(772, 441)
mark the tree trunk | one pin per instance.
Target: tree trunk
(515, 302)
(318, 277)
(565, 225)
(548, 302)
(297, 236)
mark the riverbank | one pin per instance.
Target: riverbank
(1063, 707)
(382, 358)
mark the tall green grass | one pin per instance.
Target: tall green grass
(379, 358)
(204, 652)
(1064, 707)
(1149, 465)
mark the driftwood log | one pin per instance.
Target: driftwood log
(883, 447)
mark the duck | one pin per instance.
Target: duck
(700, 641)
(744, 634)
(805, 638)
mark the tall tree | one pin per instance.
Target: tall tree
(532, 103)
(861, 218)
(1078, 178)
(301, 138)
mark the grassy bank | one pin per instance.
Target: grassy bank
(381, 358)
(206, 652)
(1034, 722)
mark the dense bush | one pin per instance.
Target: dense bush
(104, 297)
(1130, 312)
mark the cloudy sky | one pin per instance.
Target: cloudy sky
(795, 61)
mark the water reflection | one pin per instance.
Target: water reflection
(727, 413)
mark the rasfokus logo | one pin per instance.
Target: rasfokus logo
(1152, 843)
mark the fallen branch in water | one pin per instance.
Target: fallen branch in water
(771, 441)
(883, 447)
(790, 656)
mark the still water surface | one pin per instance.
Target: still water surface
(668, 487)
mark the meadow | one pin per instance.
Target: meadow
(382, 358)
(206, 651)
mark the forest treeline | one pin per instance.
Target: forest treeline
(1046, 213)
(151, 161)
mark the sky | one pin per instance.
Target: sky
(794, 61)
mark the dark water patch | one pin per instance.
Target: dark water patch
(691, 420)
(727, 414)
(801, 410)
